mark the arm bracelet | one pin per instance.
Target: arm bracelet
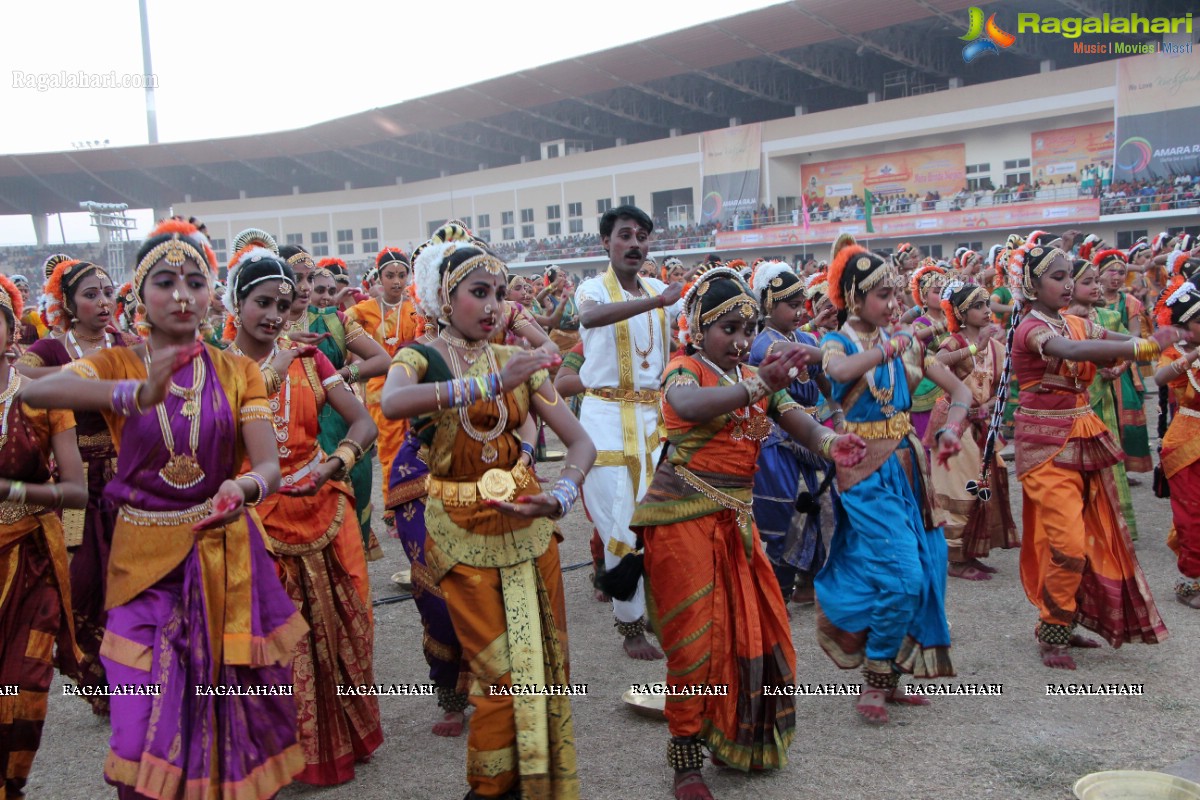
(261, 483)
(566, 492)
(756, 389)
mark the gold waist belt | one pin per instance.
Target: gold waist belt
(643, 396)
(496, 484)
(894, 427)
(183, 516)
(1065, 413)
(11, 512)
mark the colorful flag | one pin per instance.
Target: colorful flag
(870, 201)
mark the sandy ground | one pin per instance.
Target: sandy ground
(1022, 744)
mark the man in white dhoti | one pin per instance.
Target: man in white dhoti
(625, 322)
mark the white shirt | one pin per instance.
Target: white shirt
(600, 368)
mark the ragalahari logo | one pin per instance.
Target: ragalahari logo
(984, 38)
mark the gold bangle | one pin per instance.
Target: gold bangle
(437, 393)
(756, 389)
(826, 446)
(346, 455)
(271, 379)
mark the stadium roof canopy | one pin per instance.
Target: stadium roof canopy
(761, 65)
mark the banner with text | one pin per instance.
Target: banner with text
(732, 161)
(1158, 116)
(1066, 152)
(1021, 216)
(931, 169)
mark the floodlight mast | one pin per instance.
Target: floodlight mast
(114, 227)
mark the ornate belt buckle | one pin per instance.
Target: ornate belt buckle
(498, 484)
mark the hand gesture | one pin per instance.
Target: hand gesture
(228, 504)
(827, 318)
(308, 337)
(527, 507)
(670, 295)
(522, 365)
(848, 449)
(781, 367)
(283, 359)
(164, 364)
(947, 445)
(1167, 336)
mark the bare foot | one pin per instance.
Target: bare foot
(1134, 481)
(1055, 656)
(451, 724)
(803, 595)
(982, 567)
(690, 785)
(600, 597)
(961, 569)
(871, 705)
(637, 647)
(1190, 602)
(1078, 640)
(899, 697)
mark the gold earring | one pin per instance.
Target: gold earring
(446, 310)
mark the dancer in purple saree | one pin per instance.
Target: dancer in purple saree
(406, 499)
(196, 613)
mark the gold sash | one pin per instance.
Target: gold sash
(640, 464)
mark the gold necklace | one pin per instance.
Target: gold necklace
(384, 308)
(749, 423)
(103, 341)
(467, 351)
(490, 453)
(182, 471)
(645, 354)
(6, 397)
(281, 424)
(883, 396)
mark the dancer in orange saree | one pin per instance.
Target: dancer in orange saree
(35, 591)
(311, 522)
(391, 320)
(1075, 574)
(492, 546)
(1179, 368)
(714, 599)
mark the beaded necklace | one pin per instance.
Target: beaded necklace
(748, 422)
(883, 396)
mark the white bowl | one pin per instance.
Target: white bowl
(1133, 784)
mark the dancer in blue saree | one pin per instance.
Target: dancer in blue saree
(881, 594)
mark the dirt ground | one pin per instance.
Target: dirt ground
(1021, 744)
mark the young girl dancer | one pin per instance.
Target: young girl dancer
(1179, 368)
(881, 594)
(491, 544)
(1075, 574)
(311, 522)
(35, 598)
(973, 525)
(719, 615)
(193, 598)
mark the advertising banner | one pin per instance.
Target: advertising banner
(1158, 116)
(930, 169)
(1022, 216)
(732, 168)
(1067, 152)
